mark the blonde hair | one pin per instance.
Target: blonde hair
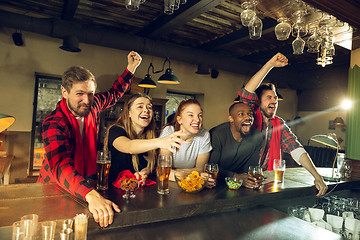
(124, 121)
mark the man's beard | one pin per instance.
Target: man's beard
(268, 115)
(82, 113)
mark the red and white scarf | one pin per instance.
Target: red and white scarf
(85, 148)
(275, 141)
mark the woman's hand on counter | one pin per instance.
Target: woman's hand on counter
(101, 208)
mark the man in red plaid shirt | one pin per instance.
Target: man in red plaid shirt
(70, 136)
(278, 136)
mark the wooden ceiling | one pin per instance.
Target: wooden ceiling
(209, 25)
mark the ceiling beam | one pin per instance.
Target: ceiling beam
(119, 40)
(347, 11)
(238, 36)
(69, 9)
(167, 23)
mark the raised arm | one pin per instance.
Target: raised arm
(134, 60)
(278, 60)
(136, 146)
(109, 98)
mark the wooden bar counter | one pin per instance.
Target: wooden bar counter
(177, 210)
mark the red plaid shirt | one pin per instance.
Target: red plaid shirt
(59, 141)
(289, 141)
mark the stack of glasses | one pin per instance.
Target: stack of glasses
(27, 228)
(337, 214)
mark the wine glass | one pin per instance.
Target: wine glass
(339, 161)
(299, 27)
(298, 45)
(327, 38)
(248, 14)
(132, 5)
(168, 7)
(313, 42)
(256, 172)
(282, 29)
(347, 168)
(175, 5)
(129, 185)
(255, 28)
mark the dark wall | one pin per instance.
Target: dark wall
(322, 89)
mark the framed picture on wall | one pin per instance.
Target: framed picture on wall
(331, 125)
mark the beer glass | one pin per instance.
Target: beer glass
(279, 169)
(103, 163)
(256, 172)
(164, 164)
(81, 223)
(48, 230)
(67, 223)
(66, 234)
(212, 169)
(33, 224)
(18, 230)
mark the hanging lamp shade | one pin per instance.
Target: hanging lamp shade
(70, 44)
(168, 77)
(333, 143)
(325, 140)
(5, 121)
(338, 121)
(147, 82)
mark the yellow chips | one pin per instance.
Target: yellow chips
(192, 182)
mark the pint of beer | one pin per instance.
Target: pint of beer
(103, 163)
(164, 164)
(279, 169)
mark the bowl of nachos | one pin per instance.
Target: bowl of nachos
(191, 181)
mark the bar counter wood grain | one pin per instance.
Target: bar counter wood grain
(52, 203)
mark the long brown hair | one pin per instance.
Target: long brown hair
(182, 105)
(125, 122)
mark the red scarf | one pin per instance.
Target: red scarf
(275, 141)
(128, 174)
(85, 147)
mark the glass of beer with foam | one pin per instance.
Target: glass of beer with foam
(164, 165)
(279, 170)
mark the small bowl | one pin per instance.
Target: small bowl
(191, 181)
(129, 184)
(233, 183)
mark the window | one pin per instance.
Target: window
(173, 102)
(47, 94)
